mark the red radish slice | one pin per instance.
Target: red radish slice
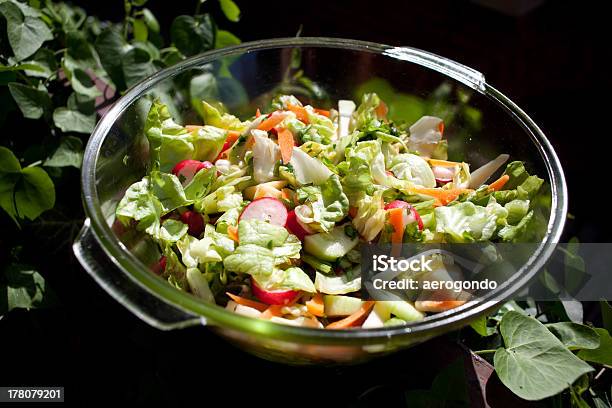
(295, 227)
(186, 169)
(440, 182)
(273, 297)
(415, 214)
(443, 174)
(412, 216)
(397, 204)
(266, 209)
(194, 221)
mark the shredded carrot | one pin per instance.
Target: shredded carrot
(191, 128)
(396, 219)
(441, 127)
(442, 163)
(257, 113)
(247, 302)
(322, 112)
(382, 110)
(353, 212)
(499, 183)
(286, 143)
(444, 195)
(232, 136)
(273, 120)
(316, 306)
(353, 319)
(232, 233)
(271, 311)
(300, 112)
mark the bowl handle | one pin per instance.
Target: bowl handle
(464, 74)
(136, 299)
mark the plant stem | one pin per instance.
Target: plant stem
(198, 6)
(36, 163)
(481, 352)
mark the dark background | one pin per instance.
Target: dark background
(552, 61)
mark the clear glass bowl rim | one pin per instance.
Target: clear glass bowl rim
(217, 315)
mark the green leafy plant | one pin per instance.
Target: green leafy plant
(537, 360)
(59, 69)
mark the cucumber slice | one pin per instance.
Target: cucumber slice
(403, 310)
(394, 321)
(199, 285)
(330, 246)
(341, 305)
(379, 314)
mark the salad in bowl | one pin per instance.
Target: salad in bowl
(267, 216)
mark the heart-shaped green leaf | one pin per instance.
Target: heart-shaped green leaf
(534, 364)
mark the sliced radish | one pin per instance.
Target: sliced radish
(273, 297)
(412, 215)
(442, 181)
(397, 204)
(194, 221)
(415, 215)
(443, 174)
(295, 226)
(186, 169)
(266, 209)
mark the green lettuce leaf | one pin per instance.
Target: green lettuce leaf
(466, 222)
(222, 199)
(201, 184)
(147, 200)
(171, 143)
(261, 233)
(168, 141)
(250, 259)
(414, 169)
(365, 114)
(172, 230)
(292, 278)
(175, 271)
(370, 217)
(322, 206)
(214, 117)
(213, 247)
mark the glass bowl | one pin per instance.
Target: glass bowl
(480, 123)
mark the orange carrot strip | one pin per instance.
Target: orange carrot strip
(444, 195)
(353, 319)
(275, 119)
(353, 212)
(286, 143)
(499, 183)
(316, 306)
(382, 110)
(247, 302)
(257, 113)
(232, 233)
(396, 219)
(322, 112)
(232, 136)
(441, 127)
(300, 112)
(442, 163)
(271, 311)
